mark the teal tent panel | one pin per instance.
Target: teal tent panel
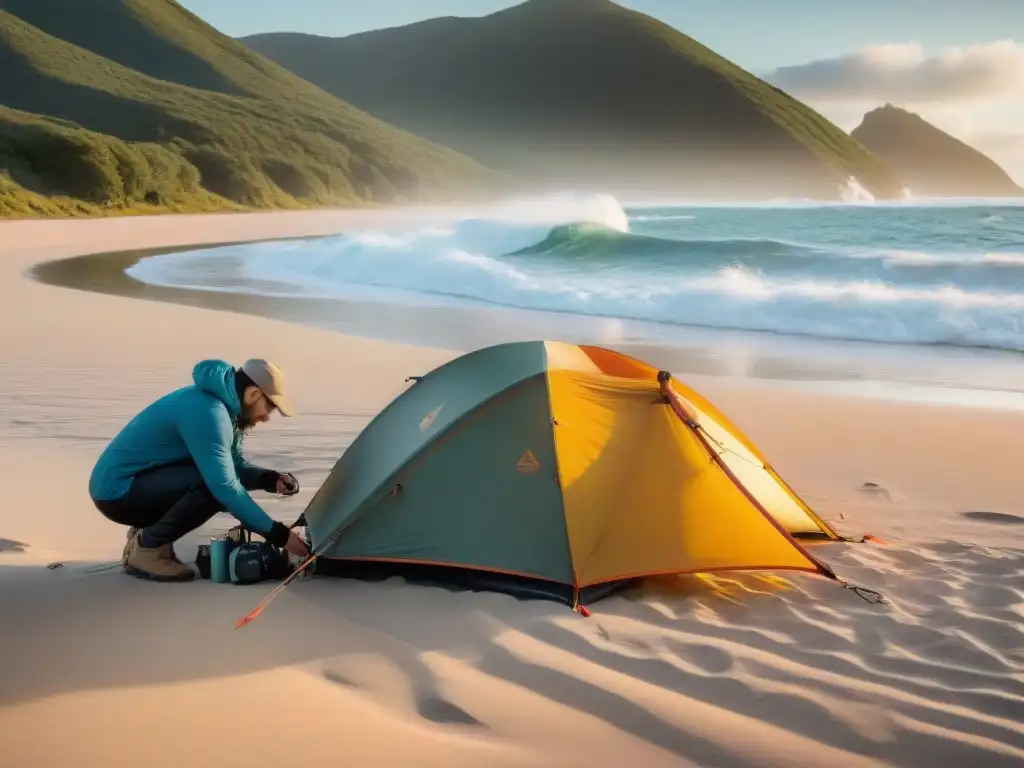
(486, 495)
(410, 422)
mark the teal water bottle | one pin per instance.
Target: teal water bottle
(220, 553)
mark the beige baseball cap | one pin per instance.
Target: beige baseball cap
(269, 378)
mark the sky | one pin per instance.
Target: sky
(957, 63)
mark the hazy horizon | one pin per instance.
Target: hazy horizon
(954, 67)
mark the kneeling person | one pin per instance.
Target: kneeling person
(179, 462)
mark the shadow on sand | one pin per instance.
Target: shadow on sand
(82, 632)
(752, 651)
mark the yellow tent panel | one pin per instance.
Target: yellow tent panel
(740, 454)
(642, 494)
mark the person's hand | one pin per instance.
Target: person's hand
(287, 485)
(296, 545)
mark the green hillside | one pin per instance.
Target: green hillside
(930, 161)
(586, 93)
(139, 105)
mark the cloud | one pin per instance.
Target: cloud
(902, 72)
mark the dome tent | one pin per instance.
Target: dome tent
(556, 470)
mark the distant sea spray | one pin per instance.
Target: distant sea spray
(855, 192)
(913, 271)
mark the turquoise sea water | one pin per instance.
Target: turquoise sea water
(917, 275)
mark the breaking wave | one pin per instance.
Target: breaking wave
(907, 273)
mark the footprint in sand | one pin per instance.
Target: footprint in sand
(1000, 518)
(714, 661)
(440, 710)
(338, 679)
(430, 706)
(874, 489)
(9, 545)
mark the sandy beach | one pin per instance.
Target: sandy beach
(99, 669)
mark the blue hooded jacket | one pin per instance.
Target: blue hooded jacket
(196, 422)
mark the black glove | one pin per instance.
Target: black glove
(291, 484)
(278, 535)
(270, 478)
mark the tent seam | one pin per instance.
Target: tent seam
(821, 567)
(558, 470)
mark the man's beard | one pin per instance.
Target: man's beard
(245, 422)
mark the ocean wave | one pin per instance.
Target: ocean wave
(598, 247)
(923, 258)
(579, 255)
(589, 240)
(664, 217)
(593, 238)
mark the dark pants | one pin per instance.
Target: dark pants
(169, 501)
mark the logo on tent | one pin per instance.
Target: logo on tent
(429, 418)
(527, 464)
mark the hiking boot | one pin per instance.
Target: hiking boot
(156, 563)
(129, 538)
(167, 550)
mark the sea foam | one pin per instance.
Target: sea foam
(868, 272)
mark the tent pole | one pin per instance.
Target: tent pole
(690, 418)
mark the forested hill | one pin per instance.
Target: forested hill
(139, 104)
(586, 93)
